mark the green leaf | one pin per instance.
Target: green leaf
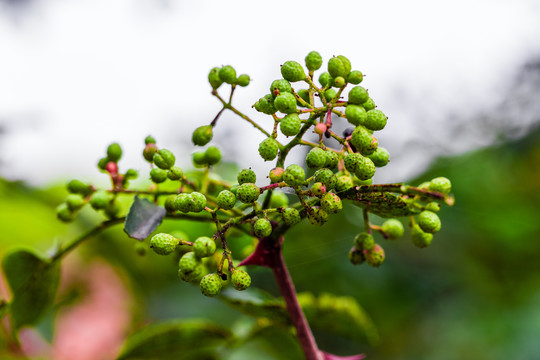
(179, 340)
(143, 218)
(33, 281)
(258, 303)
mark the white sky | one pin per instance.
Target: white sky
(77, 75)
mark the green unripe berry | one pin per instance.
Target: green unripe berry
(304, 95)
(170, 204)
(99, 200)
(356, 257)
(190, 268)
(158, 175)
(268, 149)
(149, 151)
(226, 200)
(140, 248)
(355, 77)
(326, 80)
(227, 74)
(212, 155)
(376, 120)
(149, 140)
(243, 80)
(114, 152)
(246, 176)
(332, 159)
(198, 158)
(202, 135)
(347, 63)
(361, 139)
(356, 114)
(364, 241)
(211, 285)
(102, 163)
(420, 238)
(316, 158)
(265, 105)
(78, 187)
(375, 257)
(317, 216)
(262, 228)
(343, 183)
(198, 202)
(318, 189)
(351, 161)
(204, 247)
(330, 94)
(63, 213)
(240, 280)
(365, 168)
(292, 71)
(183, 202)
(429, 222)
(358, 95)
(131, 174)
(339, 81)
(74, 202)
(279, 199)
(369, 104)
(234, 189)
(163, 244)
(393, 228)
(294, 175)
(432, 206)
(175, 173)
(280, 86)
(380, 157)
(327, 177)
(248, 193)
(331, 203)
(313, 61)
(440, 184)
(291, 216)
(276, 175)
(214, 79)
(164, 159)
(338, 67)
(290, 125)
(112, 209)
(286, 103)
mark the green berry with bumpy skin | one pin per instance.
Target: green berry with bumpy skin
(339, 81)
(304, 95)
(329, 94)
(292, 71)
(214, 79)
(291, 216)
(347, 63)
(170, 204)
(188, 263)
(369, 104)
(99, 200)
(290, 125)
(102, 163)
(380, 157)
(210, 285)
(204, 247)
(317, 216)
(376, 120)
(331, 203)
(332, 159)
(240, 280)
(279, 199)
(243, 80)
(226, 200)
(365, 168)
(276, 175)
(198, 158)
(265, 105)
(429, 221)
(280, 86)
(316, 158)
(198, 202)
(356, 114)
(364, 241)
(338, 67)
(183, 202)
(351, 161)
(149, 151)
(432, 206)
(327, 177)
(420, 238)
(318, 189)
(356, 257)
(212, 155)
(294, 175)
(246, 176)
(158, 175)
(227, 74)
(74, 202)
(393, 229)
(343, 183)
(149, 140)
(375, 257)
(326, 80)
(163, 244)
(164, 159)
(286, 103)
(175, 173)
(358, 95)
(361, 139)
(63, 213)
(248, 193)
(440, 184)
(262, 228)
(114, 152)
(78, 187)
(355, 77)
(202, 135)
(313, 61)
(268, 149)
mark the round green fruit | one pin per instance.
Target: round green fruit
(246, 176)
(294, 175)
(268, 149)
(114, 152)
(380, 157)
(313, 61)
(440, 184)
(291, 216)
(226, 200)
(212, 155)
(240, 280)
(163, 244)
(202, 135)
(355, 77)
(164, 159)
(204, 247)
(211, 285)
(292, 71)
(376, 120)
(393, 229)
(243, 80)
(290, 125)
(214, 79)
(227, 74)
(286, 103)
(358, 95)
(158, 175)
(429, 222)
(262, 228)
(316, 158)
(420, 238)
(356, 114)
(248, 193)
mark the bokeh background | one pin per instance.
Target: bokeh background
(460, 82)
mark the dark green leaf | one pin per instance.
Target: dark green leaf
(179, 340)
(33, 281)
(143, 218)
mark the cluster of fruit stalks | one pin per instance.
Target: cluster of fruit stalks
(337, 173)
